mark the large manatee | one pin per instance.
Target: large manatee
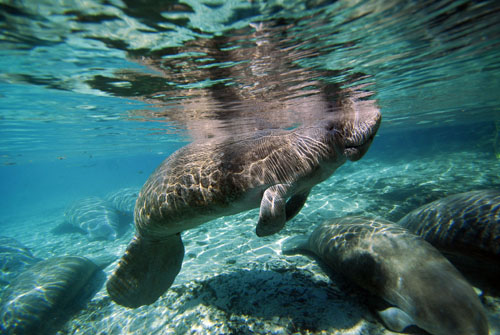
(465, 227)
(43, 293)
(400, 267)
(274, 170)
(14, 257)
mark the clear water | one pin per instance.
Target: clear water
(94, 95)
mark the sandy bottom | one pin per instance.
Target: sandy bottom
(233, 282)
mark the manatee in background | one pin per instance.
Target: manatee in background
(273, 169)
(94, 217)
(14, 257)
(124, 199)
(403, 269)
(41, 297)
(466, 228)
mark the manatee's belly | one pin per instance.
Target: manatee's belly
(169, 213)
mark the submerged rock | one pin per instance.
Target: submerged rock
(45, 294)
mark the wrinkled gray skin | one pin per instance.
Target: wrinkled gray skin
(465, 227)
(40, 295)
(274, 170)
(400, 267)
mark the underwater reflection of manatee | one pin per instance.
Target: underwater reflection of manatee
(252, 78)
(465, 227)
(45, 295)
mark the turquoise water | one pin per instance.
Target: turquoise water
(95, 95)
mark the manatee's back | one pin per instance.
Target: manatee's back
(42, 293)
(466, 228)
(353, 247)
(193, 183)
(202, 179)
(403, 269)
(466, 222)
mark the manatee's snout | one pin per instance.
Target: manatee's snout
(447, 304)
(359, 128)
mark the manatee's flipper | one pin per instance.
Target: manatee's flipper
(295, 245)
(146, 270)
(395, 319)
(295, 204)
(272, 215)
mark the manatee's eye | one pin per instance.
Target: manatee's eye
(329, 125)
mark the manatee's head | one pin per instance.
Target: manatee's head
(357, 124)
(442, 302)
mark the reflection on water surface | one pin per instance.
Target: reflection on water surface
(95, 94)
(207, 63)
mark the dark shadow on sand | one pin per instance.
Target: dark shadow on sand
(288, 297)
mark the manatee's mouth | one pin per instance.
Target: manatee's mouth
(355, 150)
(357, 143)
(361, 134)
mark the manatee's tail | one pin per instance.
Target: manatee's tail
(295, 245)
(146, 271)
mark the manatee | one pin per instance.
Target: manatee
(42, 294)
(465, 227)
(402, 268)
(95, 217)
(206, 180)
(14, 257)
(123, 200)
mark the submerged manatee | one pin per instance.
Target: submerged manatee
(124, 199)
(94, 217)
(13, 258)
(44, 291)
(465, 227)
(204, 181)
(403, 269)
